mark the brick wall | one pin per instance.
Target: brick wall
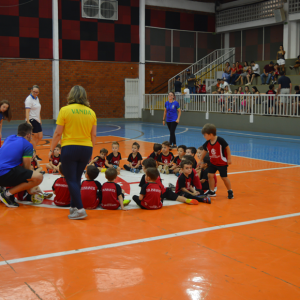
(104, 83)
(161, 72)
(17, 76)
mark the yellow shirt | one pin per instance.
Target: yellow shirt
(78, 121)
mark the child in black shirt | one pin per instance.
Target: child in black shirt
(156, 151)
(165, 159)
(99, 161)
(114, 158)
(192, 151)
(134, 159)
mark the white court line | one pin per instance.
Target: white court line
(277, 162)
(151, 239)
(119, 127)
(261, 170)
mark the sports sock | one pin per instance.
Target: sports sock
(7, 193)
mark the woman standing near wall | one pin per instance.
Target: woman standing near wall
(77, 125)
(280, 58)
(172, 115)
(33, 116)
(5, 114)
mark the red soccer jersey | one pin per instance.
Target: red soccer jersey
(90, 194)
(186, 182)
(217, 152)
(203, 89)
(100, 163)
(62, 193)
(158, 181)
(110, 193)
(114, 160)
(55, 160)
(152, 196)
(165, 159)
(177, 160)
(271, 92)
(153, 155)
(134, 161)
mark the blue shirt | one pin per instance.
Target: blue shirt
(12, 153)
(172, 111)
(1, 116)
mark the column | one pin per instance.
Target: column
(142, 57)
(55, 62)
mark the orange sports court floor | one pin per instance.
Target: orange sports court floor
(244, 248)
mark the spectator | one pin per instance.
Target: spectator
(246, 100)
(177, 85)
(227, 71)
(224, 83)
(239, 70)
(191, 79)
(202, 88)
(276, 73)
(218, 83)
(231, 79)
(255, 72)
(280, 58)
(297, 64)
(240, 90)
(284, 88)
(244, 73)
(268, 71)
(227, 98)
(296, 103)
(271, 100)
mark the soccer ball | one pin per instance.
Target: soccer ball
(37, 199)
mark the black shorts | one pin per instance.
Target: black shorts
(213, 169)
(15, 176)
(255, 74)
(169, 195)
(36, 126)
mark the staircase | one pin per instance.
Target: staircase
(206, 68)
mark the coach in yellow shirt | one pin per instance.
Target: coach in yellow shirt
(76, 128)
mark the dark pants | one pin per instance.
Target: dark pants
(172, 127)
(138, 201)
(127, 168)
(233, 78)
(74, 160)
(190, 196)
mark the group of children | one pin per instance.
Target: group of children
(196, 182)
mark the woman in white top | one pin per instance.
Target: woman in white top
(33, 115)
(280, 58)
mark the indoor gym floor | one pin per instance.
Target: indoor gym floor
(245, 248)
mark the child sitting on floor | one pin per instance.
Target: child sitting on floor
(91, 189)
(192, 151)
(151, 193)
(54, 163)
(156, 151)
(177, 160)
(112, 194)
(61, 191)
(186, 183)
(134, 159)
(165, 158)
(114, 158)
(99, 161)
(167, 193)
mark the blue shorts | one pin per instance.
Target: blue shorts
(36, 126)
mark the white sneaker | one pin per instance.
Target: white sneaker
(248, 83)
(167, 170)
(72, 210)
(78, 214)
(160, 169)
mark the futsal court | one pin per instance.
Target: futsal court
(244, 248)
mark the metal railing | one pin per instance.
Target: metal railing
(207, 67)
(287, 105)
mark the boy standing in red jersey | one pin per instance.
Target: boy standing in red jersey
(151, 194)
(61, 191)
(165, 158)
(112, 194)
(220, 158)
(91, 189)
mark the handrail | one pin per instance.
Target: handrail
(151, 91)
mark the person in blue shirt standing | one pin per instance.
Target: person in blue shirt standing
(172, 115)
(16, 151)
(5, 114)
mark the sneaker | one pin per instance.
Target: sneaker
(248, 83)
(160, 169)
(177, 174)
(48, 195)
(191, 201)
(275, 82)
(9, 201)
(72, 210)
(78, 214)
(43, 172)
(210, 193)
(132, 170)
(38, 158)
(126, 202)
(230, 194)
(291, 67)
(172, 187)
(137, 171)
(206, 200)
(167, 170)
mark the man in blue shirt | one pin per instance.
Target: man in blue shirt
(17, 151)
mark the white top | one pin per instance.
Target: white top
(222, 86)
(186, 92)
(34, 106)
(256, 69)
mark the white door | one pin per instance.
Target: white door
(131, 98)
